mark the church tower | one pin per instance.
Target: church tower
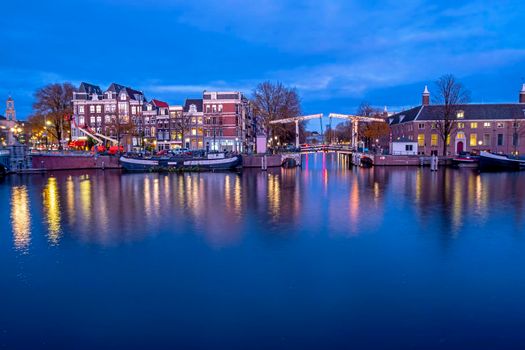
(10, 113)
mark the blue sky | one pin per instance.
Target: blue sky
(337, 53)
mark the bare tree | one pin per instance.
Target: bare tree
(181, 123)
(53, 105)
(450, 95)
(121, 126)
(272, 101)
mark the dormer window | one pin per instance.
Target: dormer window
(149, 107)
(401, 117)
(390, 120)
(460, 114)
(122, 96)
(193, 108)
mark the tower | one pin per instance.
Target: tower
(522, 94)
(426, 97)
(10, 113)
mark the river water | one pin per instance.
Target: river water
(326, 256)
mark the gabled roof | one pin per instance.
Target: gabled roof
(114, 87)
(158, 103)
(89, 89)
(2, 117)
(405, 116)
(501, 111)
(193, 101)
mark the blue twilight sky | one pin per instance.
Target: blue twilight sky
(337, 53)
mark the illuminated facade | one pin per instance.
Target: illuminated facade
(494, 127)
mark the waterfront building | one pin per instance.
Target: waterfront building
(496, 127)
(116, 112)
(229, 123)
(192, 124)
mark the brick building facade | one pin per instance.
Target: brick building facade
(494, 127)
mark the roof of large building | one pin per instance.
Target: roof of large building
(502, 111)
(158, 103)
(90, 89)
(193, 101)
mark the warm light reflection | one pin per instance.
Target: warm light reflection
(51, 202)
(85, 198)
(354, 205)
(20, 218)
(274, 195)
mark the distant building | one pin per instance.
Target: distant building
(7, 123)
(314, 138)
(497, 127)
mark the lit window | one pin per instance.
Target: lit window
(220, 108)
(99, 109)
(460, 114)
(473, 139)
(92, 109)
(122, 96)
(473, 125)
(500, 125)
(81, 109)
(133, 110)
(193, 132)
(434, 140)
(486, 124)
(214, 108)
(92, 120)
(421, 140)
(461, 125)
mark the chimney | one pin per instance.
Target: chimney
(426, 97)
(522, 94)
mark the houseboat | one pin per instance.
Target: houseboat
(212, 162)
(495, 162)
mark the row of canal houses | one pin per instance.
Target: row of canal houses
(219, 120)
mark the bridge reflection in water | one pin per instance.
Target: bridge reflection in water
(326, 197)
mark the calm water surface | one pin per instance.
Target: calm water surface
(323, 257)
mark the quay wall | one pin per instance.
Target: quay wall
(256, 161)
(384, 160)
(70, 162)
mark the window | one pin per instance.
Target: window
(92, 120)
(460, 114)
(408, 148)
(133, 110)
(486, 124)
(434, 140)
(433, 125)
(515, 140)
(220, 108)
(107, 119)
(207, 108)
(500, 139)
(81, 109)
(500, 125)
(123, 108)
(99, 120)
(421, 126)
(92, 109)
(461, 125)
(99, 109)
(123, 96)
(486, 139)
(473, 139)
(214, 108)
(193, 132)
(160, 135)
(474, 125)
(421, 140)
(81, 120)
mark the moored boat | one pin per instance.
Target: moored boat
(494, 162)
(216, 161)
(466, 161)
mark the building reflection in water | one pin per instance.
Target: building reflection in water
(51, 204)
(326, 196)
(20, 218)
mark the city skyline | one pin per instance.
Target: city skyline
(383, 52)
